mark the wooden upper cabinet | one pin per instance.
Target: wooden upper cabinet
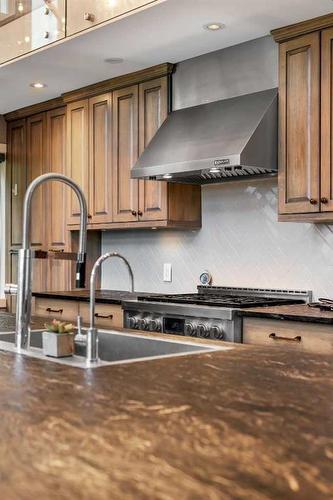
(57, 235)
(300, 125)
(125, 150)
(306, 117)
(56, 202)
(77, 153)
(153, 110)
(326, 120)
(36, 166)
(18, 178)
(100, 174)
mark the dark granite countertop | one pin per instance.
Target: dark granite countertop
(293, 312)
(102, 296)
(250, 423)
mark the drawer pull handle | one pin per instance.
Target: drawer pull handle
(313, 201)
(273, 336)
(103, 316)
(88, 16)
(49, 310)
(56, 250)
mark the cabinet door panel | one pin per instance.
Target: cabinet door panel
(125, 154)
(100, 159)
(58, 277)
(77, 154)
(299, 124)
(326, 121)
(99, 12)
(36, 166)
(18, 175)
(153, 110)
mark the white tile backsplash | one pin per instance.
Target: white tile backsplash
(240, 243)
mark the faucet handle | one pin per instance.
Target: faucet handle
(79, 337)
(80, 276)
(10, 289)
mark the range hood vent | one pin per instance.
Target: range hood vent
(215, 142)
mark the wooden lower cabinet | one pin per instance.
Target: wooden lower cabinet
(66, 310)
(297, 335)
(106, 315)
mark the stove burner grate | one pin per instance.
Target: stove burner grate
(235, 301)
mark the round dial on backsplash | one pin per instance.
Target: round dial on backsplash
(205, 278)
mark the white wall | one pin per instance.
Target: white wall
(240, 242)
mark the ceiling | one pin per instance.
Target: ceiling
(168, 32)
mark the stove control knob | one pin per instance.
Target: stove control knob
(217, 332)
(155, 325)
(143, 324)
(202, 330)
(134, 322)
(190, 329)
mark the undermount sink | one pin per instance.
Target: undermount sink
(114, 348)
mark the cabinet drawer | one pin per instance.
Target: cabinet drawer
(59, 309)
(311, 337)
(106, 315)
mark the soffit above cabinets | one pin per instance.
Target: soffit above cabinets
(168, 31)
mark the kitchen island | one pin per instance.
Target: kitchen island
(249, 423)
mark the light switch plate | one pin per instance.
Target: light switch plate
(167, 272)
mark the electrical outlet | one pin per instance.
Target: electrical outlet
(167, 272)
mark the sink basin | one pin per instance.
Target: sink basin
(114, 348)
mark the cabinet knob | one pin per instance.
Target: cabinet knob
(313, 201)
(324, 200)
(140, 213)
(89, 216)
(46, 34)
(88, 16)
(134, 212)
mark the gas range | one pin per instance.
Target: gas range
(209, 313)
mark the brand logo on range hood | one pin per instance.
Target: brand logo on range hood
(223, 161)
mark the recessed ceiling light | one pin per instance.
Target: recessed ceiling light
(114, 60)
(213, 26)
(38, 85)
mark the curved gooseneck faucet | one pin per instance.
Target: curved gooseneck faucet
(92, 336)
(25, 255)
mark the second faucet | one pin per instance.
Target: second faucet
(92, 335)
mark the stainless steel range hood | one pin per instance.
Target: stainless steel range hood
(215, 142)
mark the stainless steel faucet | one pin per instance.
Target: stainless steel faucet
(92, 336)
(25, 256)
